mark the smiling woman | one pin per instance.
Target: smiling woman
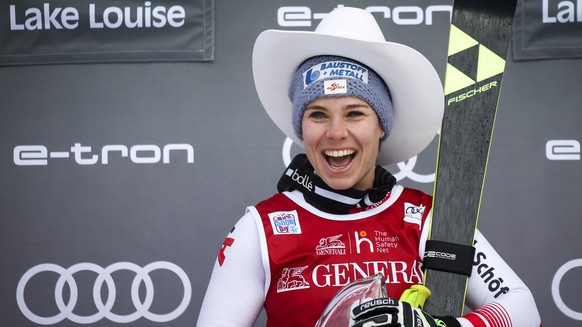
(341, 136)
(350, 99)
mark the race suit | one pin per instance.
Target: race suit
(288, 257)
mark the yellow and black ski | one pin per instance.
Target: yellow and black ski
(478, 44)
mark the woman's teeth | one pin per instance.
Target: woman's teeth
(339, 153)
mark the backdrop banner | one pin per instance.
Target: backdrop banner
(547, 29)
(120, 182)
(65, 31)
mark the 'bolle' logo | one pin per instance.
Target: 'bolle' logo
(301, 180)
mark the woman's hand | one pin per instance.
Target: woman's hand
(388, 312)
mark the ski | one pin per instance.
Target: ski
(478, 44)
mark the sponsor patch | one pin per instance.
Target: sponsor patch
(285, 222)
(413, 214)
(337, 69)
(332, 245)
(335, 86)
(292, 279)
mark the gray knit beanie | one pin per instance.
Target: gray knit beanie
(337, 76)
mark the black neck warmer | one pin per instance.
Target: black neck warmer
(300, 175)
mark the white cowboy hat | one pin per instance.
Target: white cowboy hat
(415, 87)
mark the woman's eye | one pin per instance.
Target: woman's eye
(316, 115)
(355, 114)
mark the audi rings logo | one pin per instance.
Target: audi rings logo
(103, 307)
(565, 268)
(406, 167)
(406, 171)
